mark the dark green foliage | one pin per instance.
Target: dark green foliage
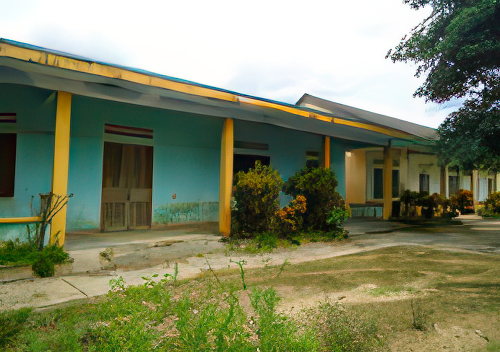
(429, 204)
(11, 322)
(44, 267)
(458, 47)
(408, 198)
(464, 201)
(492, 204)
(469, 137)
(318, 185)
(256, 195)
(17, 253)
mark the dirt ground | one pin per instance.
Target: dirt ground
(452, 272)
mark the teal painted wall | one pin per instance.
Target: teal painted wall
(337, 163)
(84, 181)
(35, 110)
(186, 155)
(287, 149)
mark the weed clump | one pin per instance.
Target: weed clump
(42, 261)
(339, 330)
(11, 323)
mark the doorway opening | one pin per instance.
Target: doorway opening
(127, 184)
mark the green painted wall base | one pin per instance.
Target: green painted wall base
(175, 213)
(12, 232)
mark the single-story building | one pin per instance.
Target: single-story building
(415, 166)
(137, 148)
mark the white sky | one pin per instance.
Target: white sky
(271, 49)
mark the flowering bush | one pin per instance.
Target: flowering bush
(492, 204)
(318, 185)
(464, 201)
(289, 219)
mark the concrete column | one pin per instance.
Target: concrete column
(326, 152)
(226, 177)
(403, 170)
(61, 164)
(447, 182)
(442, 181)
(387, 170)
(475, 185)
(497, 182)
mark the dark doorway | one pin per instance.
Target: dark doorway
(243, 162)
(126, 187)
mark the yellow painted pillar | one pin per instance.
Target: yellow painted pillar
(226, 177)
(61, 164)
(327, 152)
(387, 182)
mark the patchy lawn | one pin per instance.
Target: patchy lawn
(397, 299)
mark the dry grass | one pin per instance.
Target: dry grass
(457, 293)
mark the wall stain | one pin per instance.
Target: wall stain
(174, 213)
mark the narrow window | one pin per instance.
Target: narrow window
(312, 159)
(453, 185)
(424, 183)
(247, 153)
(7, 164)
(378, 183)
(395, 183)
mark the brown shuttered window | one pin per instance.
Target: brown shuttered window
(7, 164)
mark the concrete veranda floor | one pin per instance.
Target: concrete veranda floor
(142, 253)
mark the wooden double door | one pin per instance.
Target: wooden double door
(126, 187)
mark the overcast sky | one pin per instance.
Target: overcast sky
(272, 49)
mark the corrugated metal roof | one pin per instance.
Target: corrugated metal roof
(349, 112)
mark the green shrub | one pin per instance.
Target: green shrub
(318, 185)
(42, 262)
(464, 201)
(492, 204)
(408, 198)
(429, 204)
(43, 267)
(256, 200)
(338, 216)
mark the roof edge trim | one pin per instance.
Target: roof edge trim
(38, 55)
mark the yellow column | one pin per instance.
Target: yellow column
(61, 164)
(226, 177)
(387, 182)
(327, 152)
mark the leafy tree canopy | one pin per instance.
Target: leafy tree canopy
(458, 48)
